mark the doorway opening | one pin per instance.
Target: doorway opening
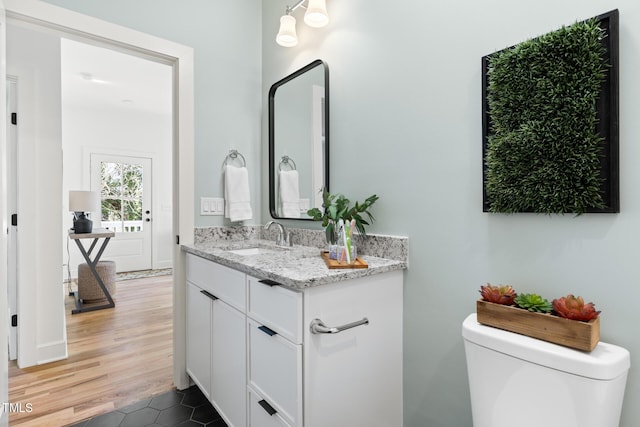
(117, 140)
(94, 123)
(83, 129)
(42, 334)
(91, 121)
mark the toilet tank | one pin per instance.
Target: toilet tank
(520, 381)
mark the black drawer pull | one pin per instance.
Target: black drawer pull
(269, 282)
(267, 331)
(213, 297)
(267, 407)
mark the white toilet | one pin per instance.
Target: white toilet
(518, 381)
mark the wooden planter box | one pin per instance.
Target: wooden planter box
(570, 333)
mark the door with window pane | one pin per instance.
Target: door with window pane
(124, 183)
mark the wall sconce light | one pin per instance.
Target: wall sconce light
(316, 16)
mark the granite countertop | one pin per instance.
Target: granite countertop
(296, 267)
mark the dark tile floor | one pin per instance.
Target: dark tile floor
(186, 408)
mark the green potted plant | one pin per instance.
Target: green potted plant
(336, 207)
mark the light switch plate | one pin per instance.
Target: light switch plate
(211, 206)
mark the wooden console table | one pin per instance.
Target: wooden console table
(96, 235)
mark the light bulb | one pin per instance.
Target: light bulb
(287, 35)
(316, 14)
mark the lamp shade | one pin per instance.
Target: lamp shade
(287, 36)
(83, 201)
(316, 14)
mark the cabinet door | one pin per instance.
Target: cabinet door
(229, 364)
(354, 378)
(199, 338)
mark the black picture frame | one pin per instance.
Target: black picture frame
(607, 114)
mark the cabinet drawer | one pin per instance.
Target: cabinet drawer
(276, 307)
(275, 371)
(225, 283)
(261, 413)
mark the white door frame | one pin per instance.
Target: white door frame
(91, 30)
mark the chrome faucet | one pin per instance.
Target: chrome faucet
(283, 238)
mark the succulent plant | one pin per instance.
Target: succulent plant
(574, 308)
(500, 294)
(533, 302)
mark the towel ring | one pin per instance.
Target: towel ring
(233, 155)
(286, 160)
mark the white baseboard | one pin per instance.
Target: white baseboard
(160, 265)
(52, 352)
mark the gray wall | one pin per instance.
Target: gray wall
(406, 112)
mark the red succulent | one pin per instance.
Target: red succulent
(574, 308)
(501, 294)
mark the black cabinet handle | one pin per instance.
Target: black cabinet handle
(267, 331)
(269, 282)
(267, 407)
(213, 297)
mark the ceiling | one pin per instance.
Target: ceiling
(100, 78)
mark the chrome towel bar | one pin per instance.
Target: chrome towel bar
(317, 326)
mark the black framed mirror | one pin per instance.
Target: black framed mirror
(299, 141)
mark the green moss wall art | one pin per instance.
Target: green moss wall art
(550, 122)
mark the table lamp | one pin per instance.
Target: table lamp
(80, 203)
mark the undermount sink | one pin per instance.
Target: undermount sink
(252, 251)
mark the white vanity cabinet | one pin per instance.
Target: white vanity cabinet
(216, 336)
(346, 370)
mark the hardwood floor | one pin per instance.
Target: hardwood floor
(117, 357)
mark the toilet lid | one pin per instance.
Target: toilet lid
(605, 362)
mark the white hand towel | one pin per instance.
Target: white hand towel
(237, 196)
(290, 194)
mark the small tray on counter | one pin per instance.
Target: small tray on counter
(334, 263)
